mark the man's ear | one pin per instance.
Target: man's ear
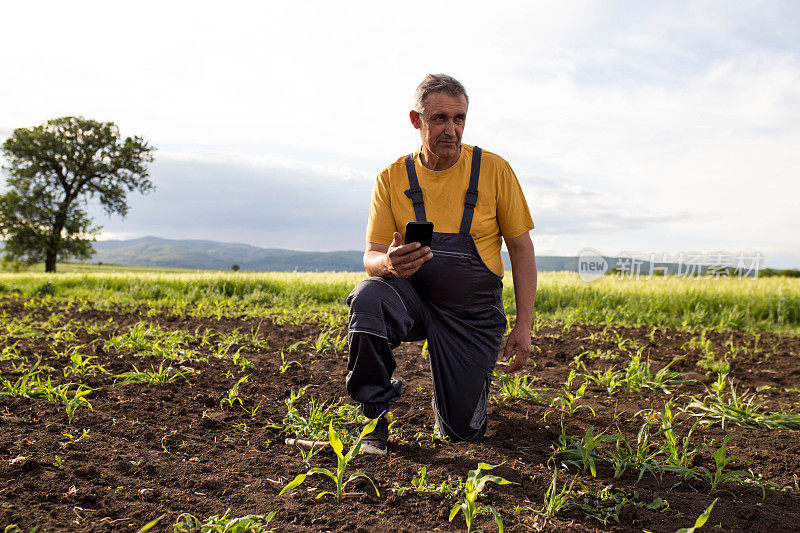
(415, 119)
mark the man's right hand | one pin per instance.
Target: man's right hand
(402, 260)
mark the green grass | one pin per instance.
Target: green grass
(767, 304)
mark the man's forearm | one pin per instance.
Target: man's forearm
(375, 264)
(523, 271)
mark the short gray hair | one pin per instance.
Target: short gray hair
(437, 83)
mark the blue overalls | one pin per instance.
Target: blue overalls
(455, 302)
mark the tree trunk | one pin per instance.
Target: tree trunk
(50, 261)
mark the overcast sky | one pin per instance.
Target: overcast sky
(632, 126)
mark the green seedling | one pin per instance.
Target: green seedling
(312, 423)
(78, 398)
(606, 504)
(742, 410)
(473, 487)
(520, 386)
(566, 402)
(286, 365)
(188, 523)
(640, 455)
(329, 341)
(581, 451)
(233, 394)
(241, 361)
(71, 439)
(154, 376)
(721, 461)
(343, 461)
(678, 450)
(555, 499)
(700, 522)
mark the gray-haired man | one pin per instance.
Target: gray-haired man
(448, 293)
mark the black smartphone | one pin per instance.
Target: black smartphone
(421, 232)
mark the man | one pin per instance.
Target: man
(448, 293)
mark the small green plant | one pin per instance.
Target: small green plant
(233, 394)
(188, 523)
(286, 365)
(313, 421)
(80, 364)
(520, 386)
(742, 410)
(555, 499)
(678, 450)
(566, 402)
(71, 439)
(154, 376)
(58, 462)
(582, 451)
(330, 341)
(700, 522)
(473, 487)
(606, 504)
(343, 461)
(721, 462)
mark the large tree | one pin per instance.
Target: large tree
(54, 170)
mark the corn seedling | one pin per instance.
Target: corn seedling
(328, 341)
(233, 394)
(188, 523)
(71, 439)
(473, 487)
(154, 376)
(286, 365)
(677, 449)
(640, 455)
(342, 462)
(555, 499)
(566, 402)
(606, 504)
(721, 462)
(581, 451)
(312, 422)
(80, 364)
(701, 520)
(520, 386)
(742, 410)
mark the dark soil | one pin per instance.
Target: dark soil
(169, 449)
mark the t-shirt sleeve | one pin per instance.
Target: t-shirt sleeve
(513, 215)
(381, 225)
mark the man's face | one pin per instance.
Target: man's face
(442, 124)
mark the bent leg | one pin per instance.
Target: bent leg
(463, 354)
(383, 313)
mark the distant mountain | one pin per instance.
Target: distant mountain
(202, 254)
(157, 252)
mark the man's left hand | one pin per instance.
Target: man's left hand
(519, 342)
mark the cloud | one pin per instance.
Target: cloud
(272, 203)
(559, 207)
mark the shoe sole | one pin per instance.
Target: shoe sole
(374, 450)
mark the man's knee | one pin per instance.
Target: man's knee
(463, 424)
(376, 308)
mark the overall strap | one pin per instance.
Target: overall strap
(471, 197)
(415, 193)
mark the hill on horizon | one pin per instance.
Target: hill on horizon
(197, 253)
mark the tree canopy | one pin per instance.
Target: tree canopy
(54, 170)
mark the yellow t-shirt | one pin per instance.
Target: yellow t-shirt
(501, 210)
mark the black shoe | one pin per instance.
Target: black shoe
(375, 442)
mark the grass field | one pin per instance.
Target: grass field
(768, 304)
(165, 397)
